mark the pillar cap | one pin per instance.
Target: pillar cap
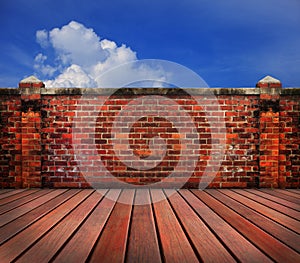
(269, 82)
(269, 79)
(31, 82)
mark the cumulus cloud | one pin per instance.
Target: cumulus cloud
(39, 65)
(73, 76)
(77, 44)
(42, 38)
(81, 57)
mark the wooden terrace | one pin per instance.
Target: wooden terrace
(85, 225)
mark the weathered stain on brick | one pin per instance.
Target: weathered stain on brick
(266, 105)
(30, 105)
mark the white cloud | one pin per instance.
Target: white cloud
(77, 44)
(39, 64)
(81, 57)
(73, 76)
(42, 38)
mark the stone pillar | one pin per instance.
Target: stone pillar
(270, 89)
(30, 89)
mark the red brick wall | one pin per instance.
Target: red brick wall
(40, 146)
(10, 139)
(58, 166)
(241, 165)
(289, 140)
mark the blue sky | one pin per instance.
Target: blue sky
(231, 43)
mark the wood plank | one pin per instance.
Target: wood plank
(278, 217)
(80, 245)
(285, 235)
(55, 239)
(19, 243)
(296, 195)
(267, 243)
(208, 246)
(23, 209)
(143, 229)
(4, 191)
(18, 197)
(4, 198)
(278, 207)
(21, 201)
(58, 196)
(281, 195)
(275, 199)
(111, 247)
(175, 245)
(296, 191)
(240, 247)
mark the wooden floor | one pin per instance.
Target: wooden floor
(61, 225)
